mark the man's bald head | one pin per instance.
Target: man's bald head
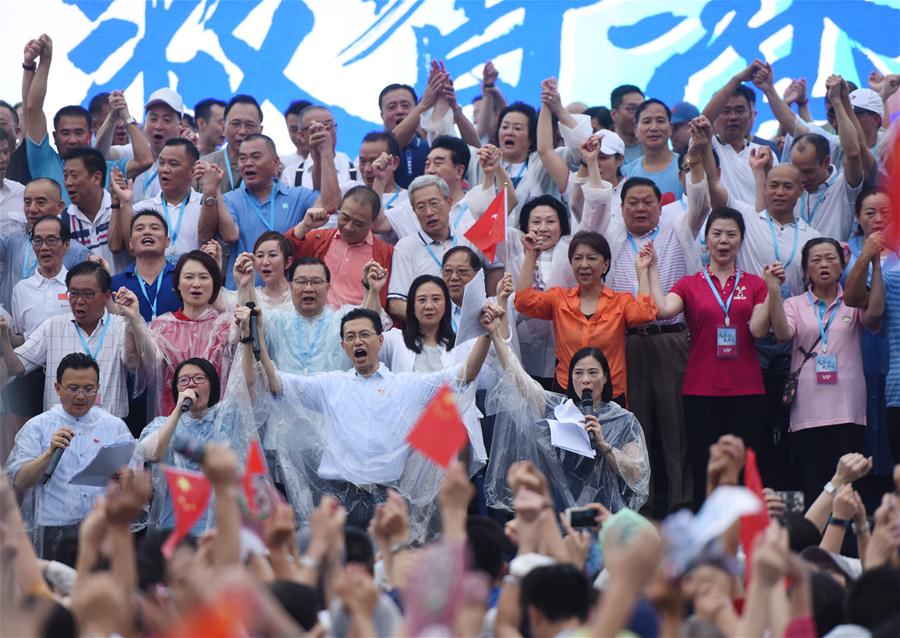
(783, 189)
(785, 171)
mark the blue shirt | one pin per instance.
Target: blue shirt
(166, 300)
(412, 162)
(254, 217)
(43, 161)
(306, 345)
(666, 180)
(21, 262)
(891, 327)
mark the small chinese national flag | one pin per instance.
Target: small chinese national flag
(256, 466)
(490, 229)
(752, 524)
(439, 433)
(189, 492)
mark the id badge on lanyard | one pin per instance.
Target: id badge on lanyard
(826, 368)
(726, 342)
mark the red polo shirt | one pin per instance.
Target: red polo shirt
(706, 374)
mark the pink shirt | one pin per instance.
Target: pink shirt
(820, 404)
(345, 262)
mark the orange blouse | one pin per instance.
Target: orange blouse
(605, 330)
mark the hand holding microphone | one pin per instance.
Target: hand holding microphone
(186, 400)
(587, 409)
(59, 441)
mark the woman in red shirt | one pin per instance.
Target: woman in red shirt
(726, 309)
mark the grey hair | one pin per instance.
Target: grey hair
(424, 181)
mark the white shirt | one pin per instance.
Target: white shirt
(62, 502)
(184, 235)
(37, 298)
(342, 165)
(831, 208)
(58, 336)
(146, 185)
(12, 207)
(366, 429)
(736, 175)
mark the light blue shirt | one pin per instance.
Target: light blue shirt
(15, 248)
(306, 345)
(666, 180)
(254, 217)
(44, 161)
(61, 502)
(891, 327)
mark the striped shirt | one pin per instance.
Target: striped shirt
(94, 234)
(59, 336)
(891, 327)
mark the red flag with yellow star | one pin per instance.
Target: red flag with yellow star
(189, 492)
(490, 229)
(439, 433)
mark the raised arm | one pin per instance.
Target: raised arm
(406, 130)
(374, 278)
(143, 155)
(856, 288)
(120, 221)
(647, 267)
(495, 175)
(492, 102)
(853, 169)
(554, 164)
(720, 98)
(242, 318)
(321, 145)
(33, 105)
(466, 129)
(760, 164)
(759, 318)
(699, 148)
(875, 307)
(774, 277)
(490, 319)
(140, 348)
(764, 80)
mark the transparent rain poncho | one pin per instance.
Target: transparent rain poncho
(521, 432)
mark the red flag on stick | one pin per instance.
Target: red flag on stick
(752, 524)
(490, 229)
(190, 494)
(439, 433)
(256, 466)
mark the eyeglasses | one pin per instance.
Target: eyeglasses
(462, 273)
(329, 126)
(87, 391)
(315, 282)
(247, 125)
(198, 379)
(87, 295)
(52, 241)
(365, 335)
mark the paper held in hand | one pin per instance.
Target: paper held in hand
(567, 431)
(108, 460)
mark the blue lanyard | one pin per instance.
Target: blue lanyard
(149, 178)
(775, 241)
(28, 266)
(724, 305)
(153, 303)
(431, 252)
(228, 168)
(391, 200)
(463, 207)
(804, 201)
(820, 310)
(306, 352)
(177, 227)
(84, 343)
(518, 177)
(634, 245)
(270, 224)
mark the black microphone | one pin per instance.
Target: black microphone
(54, 461)
(254, 329)
(587, 407)
(186, 404)
(189, 447)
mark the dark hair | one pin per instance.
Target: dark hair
(474, 259)
(149, 212)
(394, 87)
(873, 597)
(594, 240)
(6, 137)
(307, 261)
(295, 107)
(606, 395)
(868, 191)
(243, 98)
(744, 91)
(562, 213)
(818, 142)
(301, 602)
(634, 182)
(723, 212)
(98, 101)
(363, 313)
(528, 111)
(459, 150)
(284, 244)
(601, 114)
(91, 158)
(189, 147)
(558, 592)
(212, 377)
(364, 195)
(487, 545)
(76, 361)
(802, 532)
(270, 144)
(73, 110)
(64, 233)
(650, 102)
(203, 108)
(358, 548)
(412, 334)
(383, 136)
(104, 281)
(207, 262)
(812, 243)
(827, 601)
(615, 98)
(15, 116)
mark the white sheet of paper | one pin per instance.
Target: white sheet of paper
(568, 411)
(474, 298)
(107, 462)
(571, 437)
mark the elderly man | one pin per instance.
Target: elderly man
(347, 248)
(307, 173)
(243, 117)
(79, 428)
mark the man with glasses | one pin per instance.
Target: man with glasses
(459, 267)
(243, 117)
(88, 328)
(306, 173)
(76, 425)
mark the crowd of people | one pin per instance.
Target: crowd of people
(677, 370)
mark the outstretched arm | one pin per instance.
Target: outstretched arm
(554, 164)
(33, 105)
(720, 98)
(490, 319)
(853, 169)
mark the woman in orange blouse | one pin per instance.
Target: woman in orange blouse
(591, 314)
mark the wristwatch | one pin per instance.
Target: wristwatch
(841, 522)
(858, 531)
(209, 200)
(829, 488)
(130, 121)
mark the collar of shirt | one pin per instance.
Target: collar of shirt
(102, 322)
(207, 314)
(192, 196)
(60, 277)
(277, 185)
(369, 240)
(764, 214)
(131, 270)
(90, 418)
(428, 241)
(383, 371)
(104, 209)
(575, 293)
(838, 298)
(829, 180)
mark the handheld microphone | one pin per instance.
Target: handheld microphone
(254, 329)
(54, 461)
(587, 407)
(189, 447)
(186, 404)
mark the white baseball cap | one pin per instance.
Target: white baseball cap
(611, 143)
(867, 100)
(168, 97)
